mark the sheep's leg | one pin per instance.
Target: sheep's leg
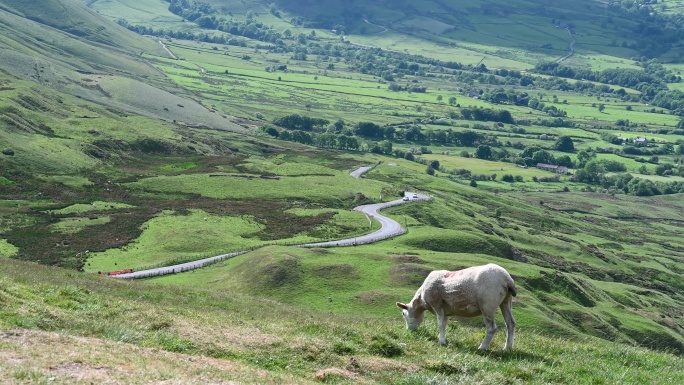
(490, 326)
(507, 311)
(441, 323)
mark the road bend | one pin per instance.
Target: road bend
(388, 228)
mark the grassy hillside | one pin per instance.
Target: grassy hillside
(68, 327)
(78, 53)
(67, 32)
(501, 32)
(126, 151)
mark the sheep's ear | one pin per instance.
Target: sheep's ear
(402, 306)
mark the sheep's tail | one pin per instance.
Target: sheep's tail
(511, 288)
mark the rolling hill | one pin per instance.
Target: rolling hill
(81, 54)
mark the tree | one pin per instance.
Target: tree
(435, 164)
(565, 144)
(564, 160)
(601, 107)
(386, 146)
(583, 157)
(369, 129)
(383, 147)
(594, 171)
(473, 183)
(270, 130)
(452, 101)
(430, 171)
(543, 156)
(483, 152)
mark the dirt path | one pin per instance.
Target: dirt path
(571, 48)
(168, 50)
(384, 29)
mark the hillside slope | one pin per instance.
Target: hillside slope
(502, 32)
(82, 54)
(76, 328)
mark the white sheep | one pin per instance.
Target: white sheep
(470, 292)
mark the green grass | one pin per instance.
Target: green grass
(74, 225)
(95, 206)
(238, 187)
(171, 236)
(141, 322)
(7, 250)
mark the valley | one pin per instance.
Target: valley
(145, 134)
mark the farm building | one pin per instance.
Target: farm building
(641, 142)
(553, 168)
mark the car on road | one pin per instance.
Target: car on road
(415, 196)
(406, 198)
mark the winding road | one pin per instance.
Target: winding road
(167, 50)
(389, 228)
(358, 172)
(571, 48)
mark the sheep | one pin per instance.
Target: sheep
(470, 292)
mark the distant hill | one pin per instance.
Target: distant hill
(64, 46)
(532, 25)
(67, 30)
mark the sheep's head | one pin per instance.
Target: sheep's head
(412, 316)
